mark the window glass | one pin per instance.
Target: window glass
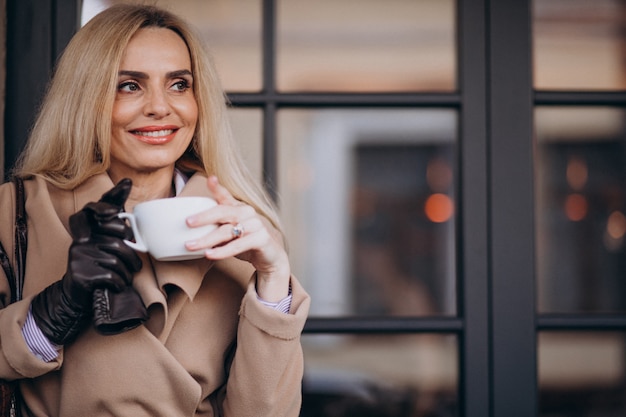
(230, 28)
(366, 45)
(579, 44)
(382, 376)
(581, 374)
(368, 199)
(581, 209)
(246, 125)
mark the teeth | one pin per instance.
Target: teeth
(156, 133)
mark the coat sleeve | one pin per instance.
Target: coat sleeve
(16, 360)
(266, 373)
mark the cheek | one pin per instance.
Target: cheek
(192, 112)
(122, 113)
(122, 116)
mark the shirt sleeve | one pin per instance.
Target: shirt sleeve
(283, 305)
(37, 342)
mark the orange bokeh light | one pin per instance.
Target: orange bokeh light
(616, 225)
(576, 207)
(439, 208)
(577, 173)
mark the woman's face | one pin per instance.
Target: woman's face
(155, 111)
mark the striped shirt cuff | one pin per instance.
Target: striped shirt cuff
(283, 305)
(37, 343)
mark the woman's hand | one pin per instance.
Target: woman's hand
(98, 259)
(247, 235)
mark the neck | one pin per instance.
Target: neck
(147, 186)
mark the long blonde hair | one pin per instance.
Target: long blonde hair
(71, 138)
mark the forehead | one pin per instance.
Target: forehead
(156, 46)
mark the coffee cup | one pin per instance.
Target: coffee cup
(160, 228)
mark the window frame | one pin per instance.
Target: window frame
(37, 32)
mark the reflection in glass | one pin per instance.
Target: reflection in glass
(582, 374)
(230, 28)
(368, 200)
(579, 44)
(382, 376)
(581, 203)
(366, 45)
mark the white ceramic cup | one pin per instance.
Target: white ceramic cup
(159, 227)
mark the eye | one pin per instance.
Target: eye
(181, 85)
(128, 87)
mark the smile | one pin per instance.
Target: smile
(153, 134)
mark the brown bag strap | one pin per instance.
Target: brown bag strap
(10, 396)
(21, 236)
(8, 270)
(16, 276)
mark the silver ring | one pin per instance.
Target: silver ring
(237, 231)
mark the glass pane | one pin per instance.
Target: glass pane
(368, 200)
(581, 206)
(230, 28)
(582, 374)
(382, 376)
(366, 45)
(579, 44)
(246, 125)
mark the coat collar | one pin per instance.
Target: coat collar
(93, 188)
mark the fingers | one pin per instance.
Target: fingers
(122, 253)
(101, 218)
(115, 228)
(241, 231)
(87, 223)
(234, 239)
(234, 222)
(118, 195)
(221, 193)
(237, 231)
(90, 267)
(228, 211)
(80, 226)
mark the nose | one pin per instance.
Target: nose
(157, 105)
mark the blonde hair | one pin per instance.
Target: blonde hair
(71, 138)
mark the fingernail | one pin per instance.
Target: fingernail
(192, 244)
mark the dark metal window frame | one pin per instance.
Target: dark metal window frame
(497, 323)
(37, 32)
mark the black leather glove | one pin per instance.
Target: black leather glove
(98, 259)
(117, 312)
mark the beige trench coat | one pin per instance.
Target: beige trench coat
(175, 364)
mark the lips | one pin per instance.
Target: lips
(155, 135)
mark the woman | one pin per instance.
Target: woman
(135, 112)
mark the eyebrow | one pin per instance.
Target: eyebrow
(143, 76)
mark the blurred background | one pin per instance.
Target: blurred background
(452, 190)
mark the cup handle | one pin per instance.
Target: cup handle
(138, 244)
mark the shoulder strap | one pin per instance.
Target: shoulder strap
(21, 236)
(16, 276)
(8, 270)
